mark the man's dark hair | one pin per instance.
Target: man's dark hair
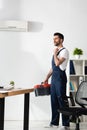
(61, 36)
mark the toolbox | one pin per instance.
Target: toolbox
(42, 89)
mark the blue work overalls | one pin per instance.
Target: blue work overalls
(58, 90)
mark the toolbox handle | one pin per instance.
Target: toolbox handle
(41, 86)
(42, 82)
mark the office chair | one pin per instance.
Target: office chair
(81, 100)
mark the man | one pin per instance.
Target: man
(58, 81)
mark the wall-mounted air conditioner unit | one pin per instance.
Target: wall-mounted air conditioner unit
(13, 25)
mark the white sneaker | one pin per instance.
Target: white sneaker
(64, 128)
(51, 126)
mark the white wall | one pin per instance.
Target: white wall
(26, 57)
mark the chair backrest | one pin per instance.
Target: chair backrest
(81, 94)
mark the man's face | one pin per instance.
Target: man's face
(57, 41)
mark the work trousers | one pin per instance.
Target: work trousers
(58, 92)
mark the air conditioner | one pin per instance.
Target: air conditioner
(20, 26)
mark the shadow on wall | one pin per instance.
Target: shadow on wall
(30, 70)
(35, 26)
(31, 73)
(40, 108)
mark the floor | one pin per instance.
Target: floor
(37, 125)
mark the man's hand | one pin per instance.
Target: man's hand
(56, 51)
(57, 60)
(45, 81)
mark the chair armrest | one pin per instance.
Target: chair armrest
(84, 98)
(67, 97)
(71, 100)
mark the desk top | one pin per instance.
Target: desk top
(16, 91)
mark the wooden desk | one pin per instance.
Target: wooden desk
(15, 92)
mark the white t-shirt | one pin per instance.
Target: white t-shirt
(65, 54)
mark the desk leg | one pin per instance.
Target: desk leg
(26, 111)
(2, 100)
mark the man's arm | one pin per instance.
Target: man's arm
(48, 76)
(57, 60)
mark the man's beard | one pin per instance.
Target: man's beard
(57, 44)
